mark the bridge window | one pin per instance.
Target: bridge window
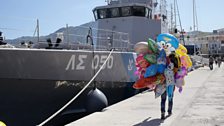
(126, 11)
(122, 12)
(138, 11)
(102, 13)
(114, 12)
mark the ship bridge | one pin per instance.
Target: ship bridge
(130, 1)
(124, 8)
(137, 18)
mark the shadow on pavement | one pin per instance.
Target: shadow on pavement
(153, 122)
(148, 122)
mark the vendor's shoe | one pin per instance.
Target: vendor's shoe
(169, 113)
(162, 116)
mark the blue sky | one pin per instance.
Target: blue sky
(209, 13)
(18, 17)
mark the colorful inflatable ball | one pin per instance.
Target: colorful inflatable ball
(149, 81)
(186, 61)
(181, 73)
(141, 47)
(153, 45)
(168, 38)
(181, 50)
(159, 90)
(151, 58)
(141, 62)
(2, 123)
(161, 62)
(151, 70)
(179, 82)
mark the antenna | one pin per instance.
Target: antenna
(175, 19)
(195, 19)
(67, 34)
(172, 25)
(178, 13)
(195, 22)
(37, 30)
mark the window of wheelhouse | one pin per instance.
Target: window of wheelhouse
(138, 11)
(102, 13)
(114, 12)
(125, 11)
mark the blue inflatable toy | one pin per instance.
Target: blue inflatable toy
(161, 61)
(151, 70)
(167, 39)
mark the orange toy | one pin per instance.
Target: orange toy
(149, 82)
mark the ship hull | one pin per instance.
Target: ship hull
(34, 84)
(46, 64)
(29, 102)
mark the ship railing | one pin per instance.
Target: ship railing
(77, 38)
(72, 38)
(88, 38)
(113, 39)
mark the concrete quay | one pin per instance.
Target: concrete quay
(200, 104)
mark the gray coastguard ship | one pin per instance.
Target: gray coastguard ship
(36, 82)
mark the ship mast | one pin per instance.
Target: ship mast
(195, 19)
(195, 23)
(176, 11)
(172, 23)
(175, 19)
(37, 30)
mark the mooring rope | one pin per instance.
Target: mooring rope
(67, 104)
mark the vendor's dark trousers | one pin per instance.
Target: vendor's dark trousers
(163, 103)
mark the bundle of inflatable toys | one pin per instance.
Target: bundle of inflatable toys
(161, 65)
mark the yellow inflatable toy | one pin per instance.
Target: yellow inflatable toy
(181, 50)
(2, 124)
(185, 59)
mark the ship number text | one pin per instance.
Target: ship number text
(78, 62)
